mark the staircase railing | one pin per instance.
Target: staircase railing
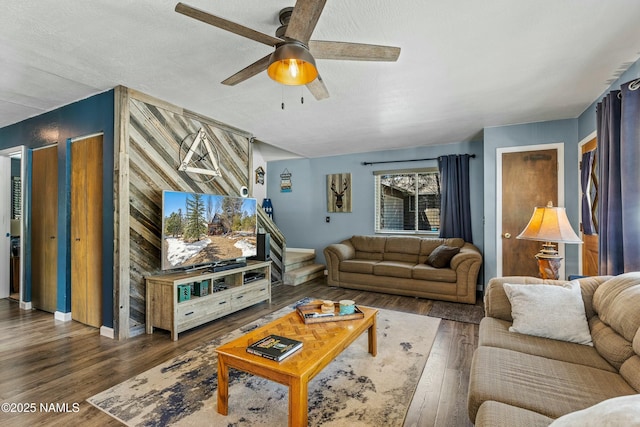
(278, 246)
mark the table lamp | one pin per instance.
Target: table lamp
(550, 225)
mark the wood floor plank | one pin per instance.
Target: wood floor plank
(426, 399)
(45, 361)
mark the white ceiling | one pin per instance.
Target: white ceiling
(464, 65)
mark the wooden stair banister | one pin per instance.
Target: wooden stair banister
(278, 246)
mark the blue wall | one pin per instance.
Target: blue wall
(301, 213)
(560, 131)
(89, 116)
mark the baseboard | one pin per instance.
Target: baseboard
(304, 250)
(106, 331)
(63, 317)
(26, 305)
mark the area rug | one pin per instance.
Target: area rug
(457, 311)
(356, 389)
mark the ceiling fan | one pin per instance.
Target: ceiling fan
(293, 61)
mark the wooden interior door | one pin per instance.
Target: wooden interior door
(529, 179)
(590, 241)
(44, 228)
(86, 231)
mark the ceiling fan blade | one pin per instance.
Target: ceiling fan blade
(318, 89)
(353, 51)
(304, 19)
(227, 25)
(256, 68)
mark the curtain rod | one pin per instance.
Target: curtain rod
(473, 156)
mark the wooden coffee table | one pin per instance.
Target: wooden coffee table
(322, 342)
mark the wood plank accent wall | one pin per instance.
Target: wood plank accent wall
(278, 246)
(149, 133)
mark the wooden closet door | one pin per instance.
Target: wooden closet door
(44, 228)
(86, 231)
(529, 179)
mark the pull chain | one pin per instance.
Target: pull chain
(282, 97)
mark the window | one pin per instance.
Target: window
(407, 201)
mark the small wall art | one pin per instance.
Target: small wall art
(260, 175)
(285, 181)
(339, 192)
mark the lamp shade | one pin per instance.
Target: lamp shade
(292, 64)
(549, 224)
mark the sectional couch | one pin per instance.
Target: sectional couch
(435, 268)
(522, 379)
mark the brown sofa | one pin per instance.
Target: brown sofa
(525, 380)
(398, 265)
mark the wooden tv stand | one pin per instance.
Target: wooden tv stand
(222, 293)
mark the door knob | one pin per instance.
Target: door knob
(507, 235)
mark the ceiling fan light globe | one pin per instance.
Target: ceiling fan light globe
(292, 64)
(292, 72)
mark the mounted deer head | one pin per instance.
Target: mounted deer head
(340, 194)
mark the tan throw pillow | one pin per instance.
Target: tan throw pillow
(549, 311)
(441, 256)
(615, 412)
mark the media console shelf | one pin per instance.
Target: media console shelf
(180, 301)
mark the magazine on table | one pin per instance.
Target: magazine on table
(275, 347)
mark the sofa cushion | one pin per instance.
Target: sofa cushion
(496, 303)
(368, 247)
(609, 344)
(498, 414)
(441, 256)
(428, 244)
(405, 249)
(630, 371)
(426, 272)
(550, 387)
(619, 411)
(393, 269)
(401, 286)
(363, 266)
(549, 311)
(616, 303)
(617, 300)
(399, 256)
(495, 333)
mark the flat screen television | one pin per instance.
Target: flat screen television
(200, 230)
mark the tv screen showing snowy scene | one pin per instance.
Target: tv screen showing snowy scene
(200, 229)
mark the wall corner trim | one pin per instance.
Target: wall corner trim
(106, 331)
(63, 317)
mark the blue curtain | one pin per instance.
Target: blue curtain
(619, 156)
(585, 177)
(455, 203)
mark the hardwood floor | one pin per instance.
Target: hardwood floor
(50, 362)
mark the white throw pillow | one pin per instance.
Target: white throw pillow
(549, 311)
(616, 412)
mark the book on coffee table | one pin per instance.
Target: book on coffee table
(275, 347)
